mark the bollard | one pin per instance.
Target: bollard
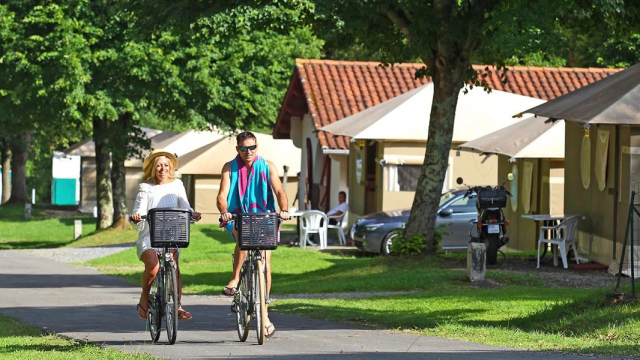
(27, 211)
(476, 261)
(77, 229)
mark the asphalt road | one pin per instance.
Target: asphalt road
(79, 302)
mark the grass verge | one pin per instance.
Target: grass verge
(522, 317)
(21, 341)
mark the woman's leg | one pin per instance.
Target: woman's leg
(150, 260)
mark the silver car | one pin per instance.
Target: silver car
(374, 232)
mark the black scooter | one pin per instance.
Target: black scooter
(490, 227)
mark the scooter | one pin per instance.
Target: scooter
(490, 227)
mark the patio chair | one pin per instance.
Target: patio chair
(338, 226)
(565, 233)
(313, 222)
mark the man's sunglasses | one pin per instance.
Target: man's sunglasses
(247, 148)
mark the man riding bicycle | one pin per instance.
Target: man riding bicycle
(247, 186)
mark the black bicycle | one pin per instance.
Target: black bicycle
(169, 229)
(256, 232)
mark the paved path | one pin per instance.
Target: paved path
(80, 302)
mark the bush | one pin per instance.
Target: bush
(417, 243)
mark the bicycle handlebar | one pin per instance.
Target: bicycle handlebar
(144, 217)
(235, 216)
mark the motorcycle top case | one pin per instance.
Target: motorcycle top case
(492, 198)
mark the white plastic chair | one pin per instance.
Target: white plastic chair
(313, 222)
(338, 226)
(565, 236)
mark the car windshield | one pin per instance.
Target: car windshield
(446, 197)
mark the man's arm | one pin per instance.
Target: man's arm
(276, 185)
(225, 183)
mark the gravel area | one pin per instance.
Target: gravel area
(79, 255)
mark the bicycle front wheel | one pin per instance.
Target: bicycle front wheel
(154, 318)
(171, 302)
(260, 302)
(241, 300)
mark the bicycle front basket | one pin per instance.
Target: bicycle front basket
(169, 227)
(257, 231)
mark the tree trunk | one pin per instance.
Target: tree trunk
(118, 143)
(6, 171)
(19, 156)
(103, 176)
(448, 78)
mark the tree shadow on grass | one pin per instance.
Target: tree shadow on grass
(218, 235)
(21, 244)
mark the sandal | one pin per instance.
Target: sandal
(183, 314)
(269, 334)
(229, 291)
(143, 310)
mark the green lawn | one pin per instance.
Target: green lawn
(522, 317)
(40, 232)
(20, 341)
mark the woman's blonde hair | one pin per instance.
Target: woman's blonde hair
(150, 172)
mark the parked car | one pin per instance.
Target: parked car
(374, 232)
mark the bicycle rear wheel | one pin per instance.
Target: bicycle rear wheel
(171, 302)
(154, 318)
(260, 301)
(241, 300)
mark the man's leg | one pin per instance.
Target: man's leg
(238, 260)
(267, 255)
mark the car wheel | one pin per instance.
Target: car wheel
(386, 243)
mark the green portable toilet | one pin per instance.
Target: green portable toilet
(66, 177)
(63, 191)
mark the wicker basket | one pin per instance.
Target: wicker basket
(169, 227)
(257, 231)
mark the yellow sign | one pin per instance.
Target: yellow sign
(361, 143)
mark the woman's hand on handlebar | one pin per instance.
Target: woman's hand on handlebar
(284, 215)
(136, 218)
(196, 216)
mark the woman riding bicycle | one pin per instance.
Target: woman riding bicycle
(158, 189)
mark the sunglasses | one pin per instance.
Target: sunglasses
(247, 148)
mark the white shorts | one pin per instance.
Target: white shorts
(144, 243)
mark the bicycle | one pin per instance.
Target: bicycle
(256, 232)
(169, 229)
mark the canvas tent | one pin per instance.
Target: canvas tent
(201, 169)
(602, 152)
(533, 152)
(406, 117)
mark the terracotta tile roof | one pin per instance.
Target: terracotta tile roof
(332, 90)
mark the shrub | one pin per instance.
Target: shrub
(417, 243)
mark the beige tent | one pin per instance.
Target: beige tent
(612, 100)
(530, 138)
(406, 117)
(603, 161)
(533, 151)
(86, 149)
(201, 169)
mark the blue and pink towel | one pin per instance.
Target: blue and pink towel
(249, 193)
